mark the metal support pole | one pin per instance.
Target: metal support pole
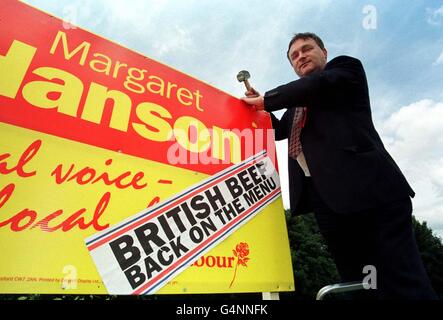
(340, 287)
(270, 296)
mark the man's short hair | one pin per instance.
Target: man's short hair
(304, 36)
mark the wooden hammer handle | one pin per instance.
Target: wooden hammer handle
(248, 86)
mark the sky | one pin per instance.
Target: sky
(400, 44)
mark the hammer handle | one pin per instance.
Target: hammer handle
(248, 86)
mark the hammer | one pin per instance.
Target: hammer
(243, 76)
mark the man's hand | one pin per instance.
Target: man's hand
(254, 98)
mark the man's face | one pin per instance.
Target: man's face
(307, 57)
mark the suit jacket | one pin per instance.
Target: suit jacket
(349, 166)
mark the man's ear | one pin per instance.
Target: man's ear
(326, 53)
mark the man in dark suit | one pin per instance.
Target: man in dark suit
(340, 170)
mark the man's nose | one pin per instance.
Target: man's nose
(301, 58)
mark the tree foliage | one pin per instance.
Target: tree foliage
(431, 250)
(312, 264)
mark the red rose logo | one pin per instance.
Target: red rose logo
(241, 252)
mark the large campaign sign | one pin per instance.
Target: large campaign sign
(121, 175)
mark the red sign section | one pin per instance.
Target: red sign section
(111, 97)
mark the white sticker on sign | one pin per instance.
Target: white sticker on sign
(142, 253)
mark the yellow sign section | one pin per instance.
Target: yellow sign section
(55, 192)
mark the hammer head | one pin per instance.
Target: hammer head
(243, 76)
